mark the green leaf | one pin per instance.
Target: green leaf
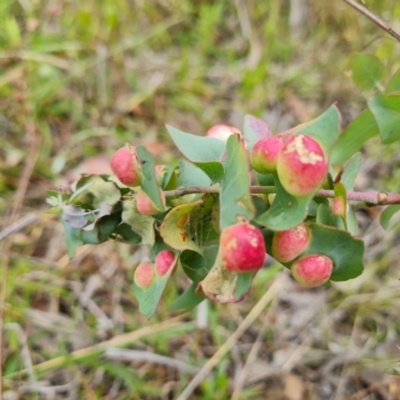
(387, 214)
(325, 216)
(213, 169)
(102, 230)
(190, 175)
(352, 223)
(354, 136)
(187, 299)
(345, 251)
(265, 179)
(149, 183)
(386, 110)
(393, 85)
(92, 192)
(143, 225)
(194, 265)
(325, 128)
(128, 234)
(72, 239)
(175, 228)
(148, 298)
(350, 172)
(205, 152)
(286, 211)
(170, 178)
(197, 148)
(368, 71)
(235, 196)
(254, 129)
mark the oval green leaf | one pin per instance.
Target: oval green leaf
(387, 214)
(353, 137)
(345, 251)
(149, 183)
(386, 110)
(325, 128)
(368, 71)
(393, 85)
(235, 196)
(197, 148)
(286, 211)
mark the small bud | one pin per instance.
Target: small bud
(288, 245)
(222, 131)
(164, 261)
(125, 165)
(242, 248)
(144, 275)
(302, 165)
(313, 270)
(145, 206)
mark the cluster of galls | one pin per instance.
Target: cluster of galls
(299, 161)
(301, 166)
(146, 271)
(243, 250)
(126, 166)
(288, 247)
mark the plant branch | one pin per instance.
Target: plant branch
(374, 18)
(372, 198)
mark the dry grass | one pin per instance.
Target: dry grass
(82, 78)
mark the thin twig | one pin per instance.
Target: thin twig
(216, 358)
(372, 198)
(374, 18)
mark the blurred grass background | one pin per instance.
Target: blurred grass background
(77, 80)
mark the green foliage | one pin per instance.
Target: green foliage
(350, 171)
(388, 214)
(345, 251)
(325, 129)
(355, 135)
(368, 71)
(205, 152)
(142, 225)
(149, 184)
(286, 211)
(235, 194)
(192, 221)
(386, 111)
